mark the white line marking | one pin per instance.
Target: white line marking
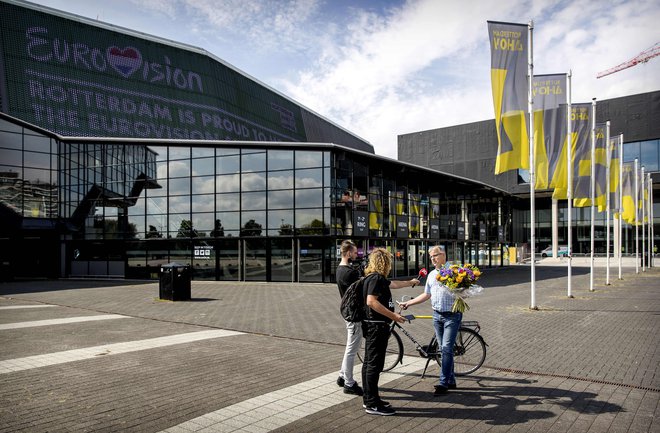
(63, 321)
(37, 361)
(279, 408)
(17, 307)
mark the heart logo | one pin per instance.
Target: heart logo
(124, 61)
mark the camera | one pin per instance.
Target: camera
(361, 264)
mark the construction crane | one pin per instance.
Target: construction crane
(642, 57)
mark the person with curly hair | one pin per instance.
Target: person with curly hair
(375, 329)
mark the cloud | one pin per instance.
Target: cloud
(381, 79)
(260, 24)
(426, 64)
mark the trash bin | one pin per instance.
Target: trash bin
(174, 283)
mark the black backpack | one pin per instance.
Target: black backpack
(353, 308)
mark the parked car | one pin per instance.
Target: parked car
(562, 251)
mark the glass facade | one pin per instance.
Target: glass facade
(238, 211)
(647, 152)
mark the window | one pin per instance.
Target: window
(649, 155)
(308, 158)
(280, 160)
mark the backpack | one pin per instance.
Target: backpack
(353, 308)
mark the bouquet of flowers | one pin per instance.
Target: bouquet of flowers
(460, 280)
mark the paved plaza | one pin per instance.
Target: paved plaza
(258, 357)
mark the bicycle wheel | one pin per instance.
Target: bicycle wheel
(469, 352)
(393, 354)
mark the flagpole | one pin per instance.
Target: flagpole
(643, 187)
(620, 205)
(636, 218)
(649, 221)
(607, 198)
(593, 190)
(569, 181)
(532, 207)
(651, 218)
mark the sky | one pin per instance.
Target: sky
(382, 68)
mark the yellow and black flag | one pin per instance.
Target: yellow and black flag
(615, 188)
(508, 74)
(580, 150)
(582, 196)
(628, 213)
(549, 95)
(375, 209)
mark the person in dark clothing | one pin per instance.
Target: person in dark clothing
(375, 328)
(345, 276)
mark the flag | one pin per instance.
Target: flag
(508, 74)
(549, 95)
(583, 185)
(642, 201)
(396, 208)
(628, 193)
(413, 205)
(375, 209)
(580, 135)
(614, 173)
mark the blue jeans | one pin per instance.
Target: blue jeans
(446, 326)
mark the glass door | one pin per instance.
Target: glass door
(255, 260)
(310, 260)
(228, 260)
(281, 259)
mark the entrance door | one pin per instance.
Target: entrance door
(281, 260)
(314, 260)
(401, 259)
(255, 260)
(228, 260)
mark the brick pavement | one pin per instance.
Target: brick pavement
(584, 364)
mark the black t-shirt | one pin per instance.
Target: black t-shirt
(379, 286)
(345, 276)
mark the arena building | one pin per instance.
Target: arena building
(121, 152)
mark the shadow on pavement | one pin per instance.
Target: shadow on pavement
(34, 286)
(500, 404)
(521, 274)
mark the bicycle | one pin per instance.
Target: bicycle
(469, 349)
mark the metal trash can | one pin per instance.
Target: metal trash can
(174, 282)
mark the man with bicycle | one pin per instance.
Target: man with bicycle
(445, 322)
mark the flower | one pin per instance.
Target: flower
(458, 279)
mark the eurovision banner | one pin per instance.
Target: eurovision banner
(550, 99)
(580, 150)
(508, 73)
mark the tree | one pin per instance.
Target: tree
(218, 231)
(186, 230)
(251, 228)
(153, 233)
(286, 230)
(316, 227)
